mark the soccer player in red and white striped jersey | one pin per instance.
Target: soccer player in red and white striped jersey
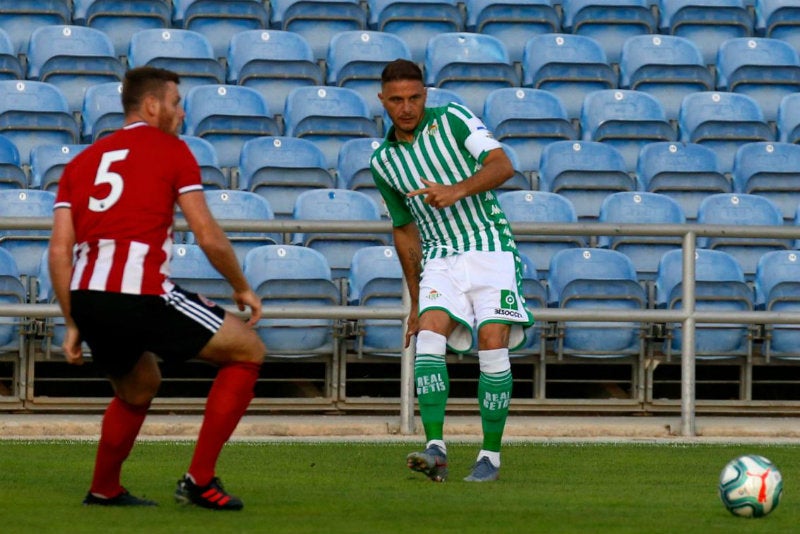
(109, 262)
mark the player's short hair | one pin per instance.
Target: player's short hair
(141, 81)
(401, 69)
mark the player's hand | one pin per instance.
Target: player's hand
(73, 352)
(437, 195)
(248, 299)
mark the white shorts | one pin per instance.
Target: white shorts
(476, 288)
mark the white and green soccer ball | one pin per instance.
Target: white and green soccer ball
(750, 486)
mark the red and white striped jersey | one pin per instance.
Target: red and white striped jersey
(122, 192)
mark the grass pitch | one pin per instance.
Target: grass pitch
(366, 488)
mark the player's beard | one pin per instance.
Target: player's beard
(168, 124)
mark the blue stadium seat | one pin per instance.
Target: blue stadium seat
(102, 111)
(353, 171)
(288, 275)
(220, 20)
(569, 66)
(540, 207)
(665, 66)
(761, 68)
(722, 121)
(120, 19)
(211, 173)
(788, 121)
(357, 58)
(273, 62)
(596, 278)
(318, 20)
(719, 286)
(231, 204)
(72, 58)
(25, 16)
(534, 290)
(641, 208)
(707, 23)
(513, 23)
(415, 21)
(336, 205)
(12, 176)
(770, 170)
(471, 64)
(328, 116)
(376, 279)
(280, 168)
(26, 246)
(228, 116)
(48, 162)
(625, 119)
(609, 23)
(585, 172)
(733, 209)
(12, 291)
(10, 65)
(685, 172)
(191, 270)
(34, 113)
(186, 52)
(777, 289)
(778, 19)
(527, 119)
(520, 180)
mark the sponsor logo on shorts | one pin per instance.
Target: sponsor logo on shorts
(508, 299)
(508, 313)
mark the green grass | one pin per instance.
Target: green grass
(365, 488)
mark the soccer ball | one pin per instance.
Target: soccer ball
(750, 486)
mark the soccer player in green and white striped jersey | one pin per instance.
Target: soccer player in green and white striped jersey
(436, 170)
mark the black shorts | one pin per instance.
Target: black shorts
(119, 327)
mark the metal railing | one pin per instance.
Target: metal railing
(688, 315)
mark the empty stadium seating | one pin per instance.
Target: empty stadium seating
(227, 116)
(120, 19)
(220, 20)
(10, 65)
(626, 120)
(12, 176)
(637, 207)
(72, 58)
(102, 112)
(191, 269)
(34, 113)
(288, 275)
(26, 245)
(328, 116)
(27, 15)
(686, 172)
(666, 66)
(274, 63)
(609, 22)
(513, 23)
(770, 170)
(583, 278)
(722, 121)
(788, 122)
(211, 174)
(764, 69)
(569, 66)
(318, 20)
(585, 172)
(357, 58)
(777, 289)
(778, 19)
(336, 205)
(353, 171)
(527, 119)
(48, 162)
(280, 168)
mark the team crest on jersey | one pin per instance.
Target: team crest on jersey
(433, 295)
(432, 129)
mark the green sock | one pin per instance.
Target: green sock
(494, 396)
(433, 387)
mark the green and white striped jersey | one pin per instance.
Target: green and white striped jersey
(449, 145)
